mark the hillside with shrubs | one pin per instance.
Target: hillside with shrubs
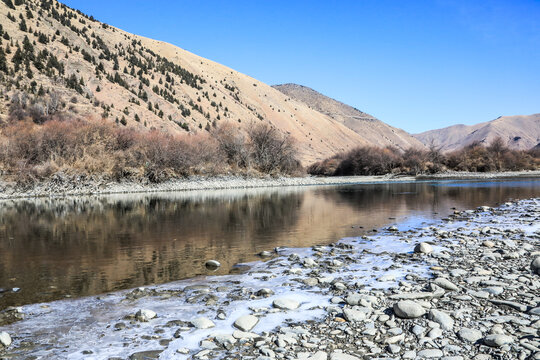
(58, 63)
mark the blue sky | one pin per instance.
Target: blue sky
(418, 65)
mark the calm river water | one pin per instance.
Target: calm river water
(52, 249)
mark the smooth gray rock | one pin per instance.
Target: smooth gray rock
(423, 248)
(145, 355)
(353, 315)
(202, 323)
(445, 284)
(429, 354)
(246, 322)
(442, 318)
(286, 304)
(342, 356)
(319, 355)
(535, 266)
(407, 309)
(469, 335)
(498, 340)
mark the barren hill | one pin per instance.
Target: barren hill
(372, 130)
(518, 132)
(54, 59)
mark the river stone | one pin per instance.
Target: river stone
(498, 340)
(342, 356)
(470, 335)
(246, 322)
(423, 248)
(212, 264)
(145, 315)
(286, 304)
(429, 354)
(442, 318)
(445, 284)
(145, 355)
(202, 323)
(224, 339)
(353, 315)
(319, 355)
(5, 339)
(535, 311)
(535, 266)
(408, 309)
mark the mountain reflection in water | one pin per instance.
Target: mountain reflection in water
(52, 248)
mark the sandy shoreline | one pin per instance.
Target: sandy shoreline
(62, 187)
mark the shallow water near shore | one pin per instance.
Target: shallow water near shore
(56, 248)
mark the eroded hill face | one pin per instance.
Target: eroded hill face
(58, 60)
(372, 131)
(521, 132)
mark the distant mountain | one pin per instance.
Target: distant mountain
(372, 130)
(518, 132)
(54, 58)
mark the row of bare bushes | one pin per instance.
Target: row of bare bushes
(31, 152)
(472, 158)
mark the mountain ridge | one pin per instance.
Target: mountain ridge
(372, 130)
(520, 132)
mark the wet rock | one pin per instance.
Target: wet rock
(246, 323)
(212, 264)
(407, 309)
(286, 304)
(265, 254)
(202, 323)
(423, 248)
(146, 355)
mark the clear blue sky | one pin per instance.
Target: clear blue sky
(418, 65)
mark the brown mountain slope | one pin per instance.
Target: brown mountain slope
(57, 59)
(372, 130)
(518, 132)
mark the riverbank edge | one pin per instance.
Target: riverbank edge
(65, 187)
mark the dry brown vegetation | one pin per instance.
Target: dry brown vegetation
(32, 152)
(475, 158)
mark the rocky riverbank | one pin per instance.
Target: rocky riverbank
(63, 186)
(467, 287)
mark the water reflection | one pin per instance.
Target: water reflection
(90, 245)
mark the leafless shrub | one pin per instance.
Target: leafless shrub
(271, 151)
